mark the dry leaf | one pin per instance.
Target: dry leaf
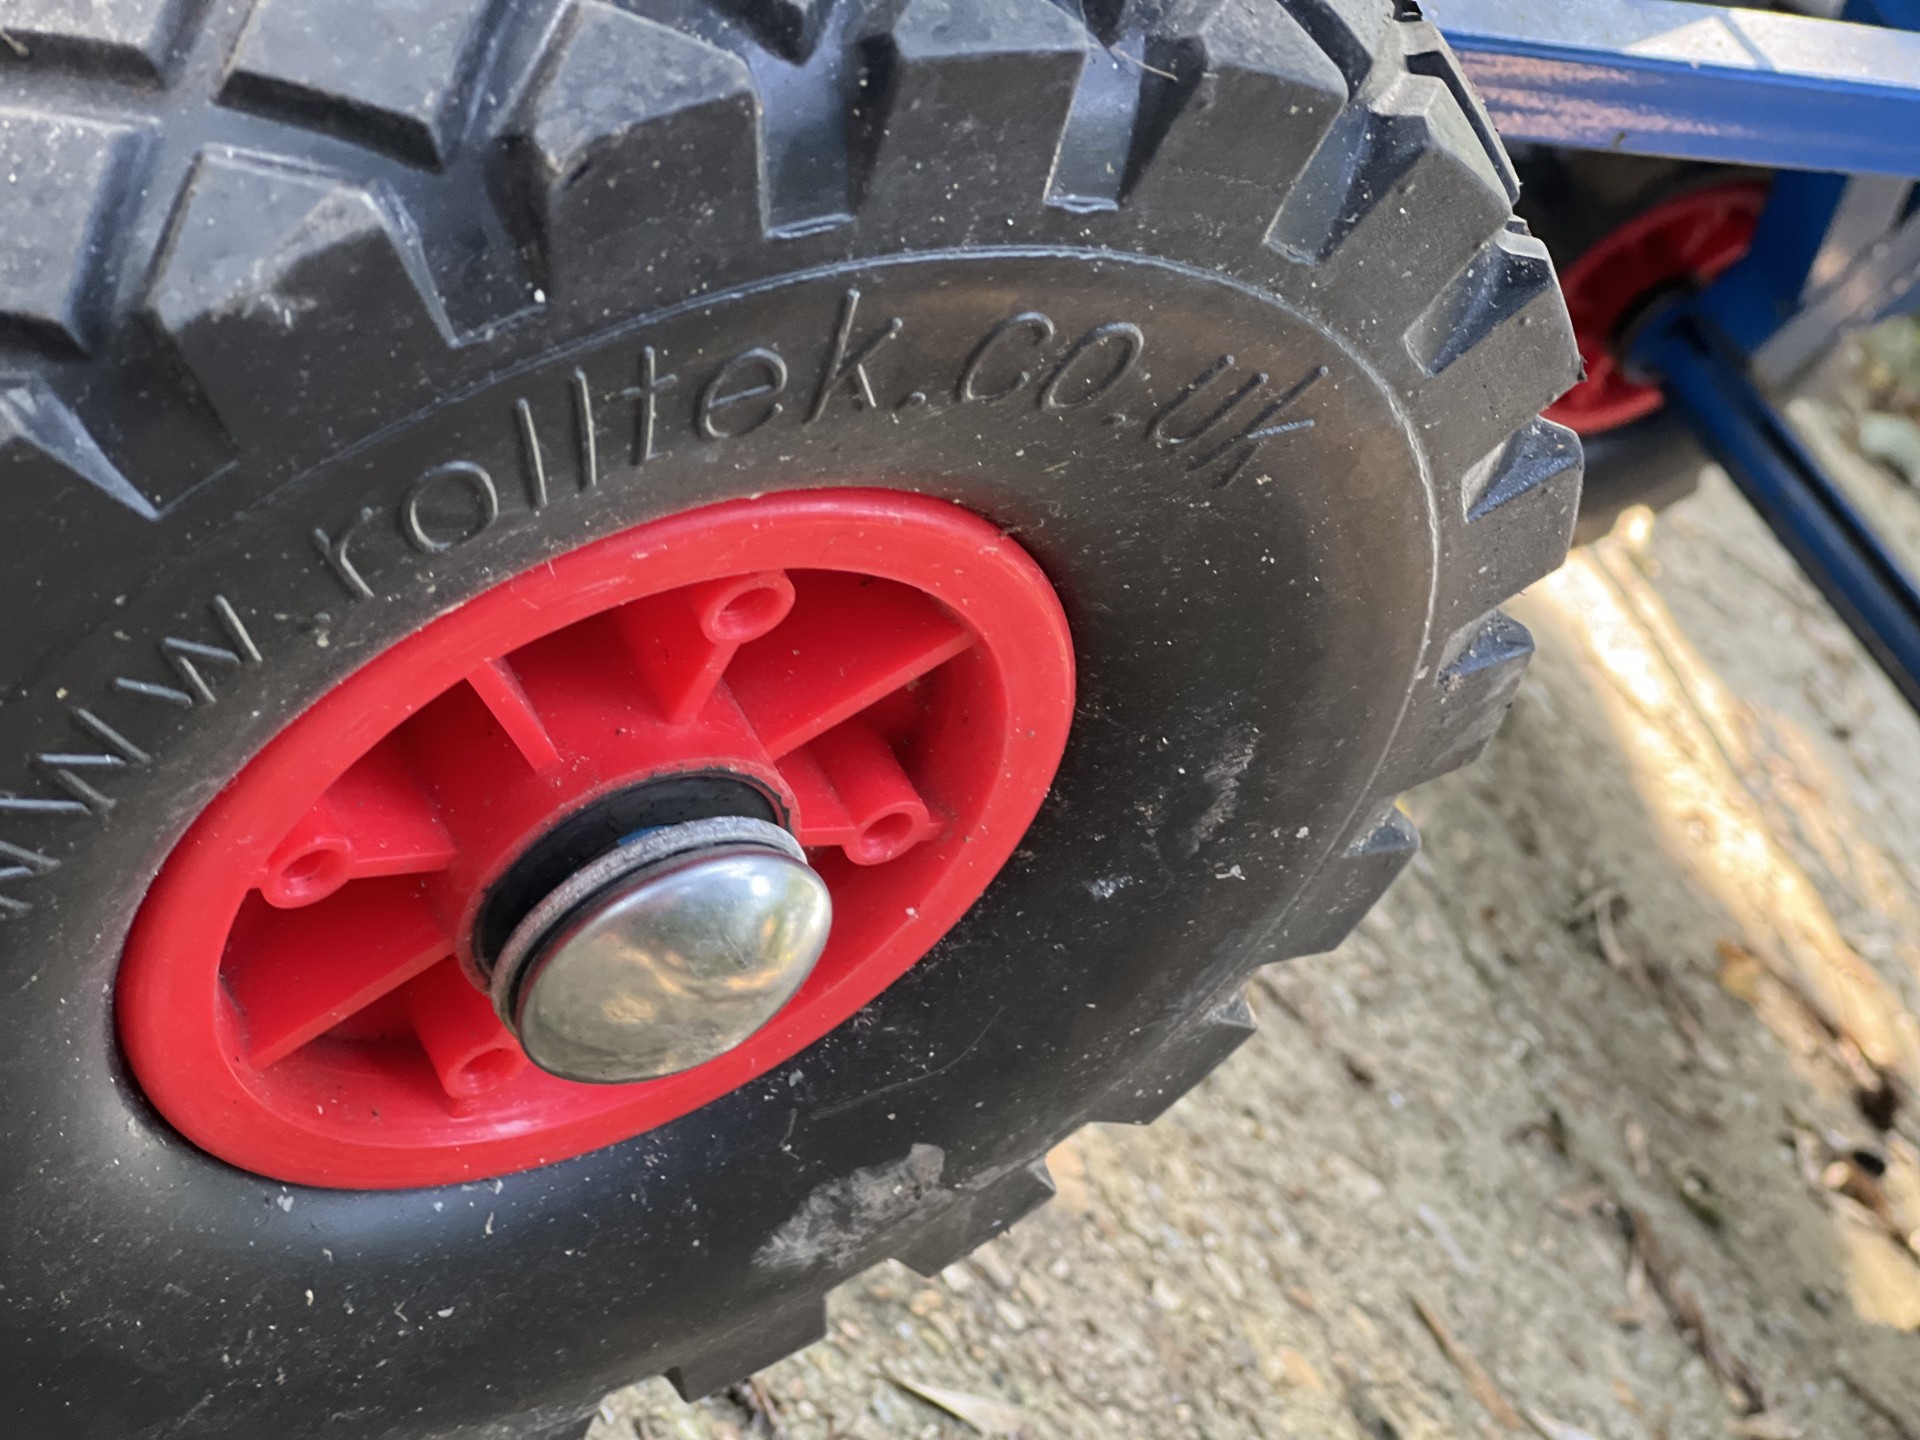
(1809, 1151)
(1633, 1314)
(1636, 1138)
(1580, 1202)
(1741, 973)
(1552, 1429)
(1612, 950)
(1470, 1368)
(987, 1416)
(760, 1400)
(1769, 1426)
(1300, 1370)
(1847, 1176)
(1663, 1273)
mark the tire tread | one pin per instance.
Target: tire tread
(120, 36)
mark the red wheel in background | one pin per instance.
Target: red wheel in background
(890, 676)
(1690, 239)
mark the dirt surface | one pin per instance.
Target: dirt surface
(1604, 1125)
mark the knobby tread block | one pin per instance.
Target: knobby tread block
(1540, 453)
(600, 151)
(1222, 142)
(1350, 885)
(1510, 340)
(984, 85)
(1428, 54)
(1193, 1052)
(1486, 655)
(248, 291)
(43, 445)
(58, 179)
(975, 1215)
(396, 86)
(1506, 273)
(1349, 31)
(1106, 138)
(1519, 506)
(1381, 253)
(764, 1338)
(133, 34)
(1456, 711)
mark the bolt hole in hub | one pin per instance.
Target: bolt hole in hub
(308, 875)
(1686, 242)
(720, 729)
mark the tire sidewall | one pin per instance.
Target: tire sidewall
(1220, 628)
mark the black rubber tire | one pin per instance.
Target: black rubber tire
(264, 274)
(1654, 462)
(1570, 200)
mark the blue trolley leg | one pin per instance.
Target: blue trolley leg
(1705, 379)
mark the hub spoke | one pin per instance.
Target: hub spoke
(479, 749)
(294, 976)
(376, 819)
(506, 700)
(596, 700)
(469, 1048)
(852, 792)
(683, 641)
(850, 641)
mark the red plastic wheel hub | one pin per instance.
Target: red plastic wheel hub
(1690, 239)
(893, 673)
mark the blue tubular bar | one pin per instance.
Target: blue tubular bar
(1815, 224)
(1905, 14)
(1698, 82)
(1758, 295)
(1833, 543)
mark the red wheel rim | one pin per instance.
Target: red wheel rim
(895, 673)
(1690, 239)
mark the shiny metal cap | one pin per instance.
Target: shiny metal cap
(663, 953)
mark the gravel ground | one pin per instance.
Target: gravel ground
(1599, 1127)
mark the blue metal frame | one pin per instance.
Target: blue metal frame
(1895, 14)
(1834, 107)
(1695, 82)
(1833, 543)
(1750, 303)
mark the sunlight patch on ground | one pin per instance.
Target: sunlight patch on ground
(1687, 740)
(1724, 784)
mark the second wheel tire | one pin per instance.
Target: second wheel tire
(1628, 232)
